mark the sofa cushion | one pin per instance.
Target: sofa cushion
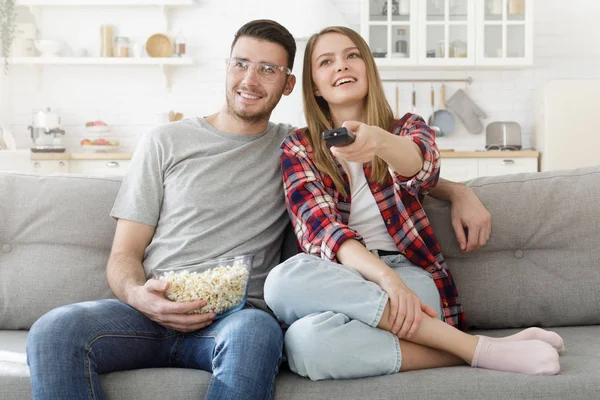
(540, 266)
(577, 379)
(55, 238)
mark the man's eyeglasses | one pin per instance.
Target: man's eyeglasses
(266, 72)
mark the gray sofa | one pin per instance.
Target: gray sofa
(540, 267)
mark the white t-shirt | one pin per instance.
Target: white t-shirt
(365, 217)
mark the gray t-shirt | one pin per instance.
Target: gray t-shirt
(209, 194)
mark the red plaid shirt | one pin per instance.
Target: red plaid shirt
(320, 214)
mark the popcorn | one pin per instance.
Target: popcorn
(222, 287)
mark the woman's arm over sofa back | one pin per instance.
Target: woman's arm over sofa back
(540, 266)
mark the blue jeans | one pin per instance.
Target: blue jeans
(70, 346)
(333, 313)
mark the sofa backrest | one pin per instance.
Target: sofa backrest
(541, 265)
(55, 238)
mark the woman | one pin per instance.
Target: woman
(372, 295)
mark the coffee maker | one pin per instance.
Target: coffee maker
(46, 134)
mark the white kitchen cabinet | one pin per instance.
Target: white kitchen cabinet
(65, 163)
(448, 33)
(390, 29)
(99, 167)
(7, 165)
(461, 169)
(46, 167)
(14, 160)
(505, 166)
(505, 32)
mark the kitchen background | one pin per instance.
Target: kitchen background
(133, 98)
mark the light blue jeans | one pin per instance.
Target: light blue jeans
(333, 312)
(70, 346)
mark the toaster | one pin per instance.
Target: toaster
(503, 136)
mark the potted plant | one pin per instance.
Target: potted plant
(7, 28)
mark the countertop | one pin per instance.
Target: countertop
(127, 156)
(489, 154)
(80, 156)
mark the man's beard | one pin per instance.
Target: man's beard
(249, 117)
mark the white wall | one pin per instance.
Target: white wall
(132, 99)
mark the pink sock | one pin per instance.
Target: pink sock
(552, 338)
(532, 357)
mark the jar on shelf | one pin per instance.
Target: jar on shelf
(401, 43)
(179, 45)
(516, 7)
(121, 47)
(404, 7)
(442, 49)
(494, 7)
(458, 49)
(106, 41)
(395, 6)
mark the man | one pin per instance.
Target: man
(196, 189)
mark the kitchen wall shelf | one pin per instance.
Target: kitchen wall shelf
(35, 6)
(104, 3)
(164, 63)
(102, 61)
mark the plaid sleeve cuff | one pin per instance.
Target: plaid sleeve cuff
(335, 236)
(416, 130)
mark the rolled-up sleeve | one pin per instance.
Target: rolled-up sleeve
(415, 128)
(313, 211)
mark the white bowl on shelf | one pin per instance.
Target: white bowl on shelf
(48, 48)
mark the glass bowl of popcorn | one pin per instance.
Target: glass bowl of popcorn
(221, 282)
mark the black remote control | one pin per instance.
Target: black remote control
(338, 137)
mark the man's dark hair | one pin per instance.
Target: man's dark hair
(271, 31)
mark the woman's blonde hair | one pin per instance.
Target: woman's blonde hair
(318, 117)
